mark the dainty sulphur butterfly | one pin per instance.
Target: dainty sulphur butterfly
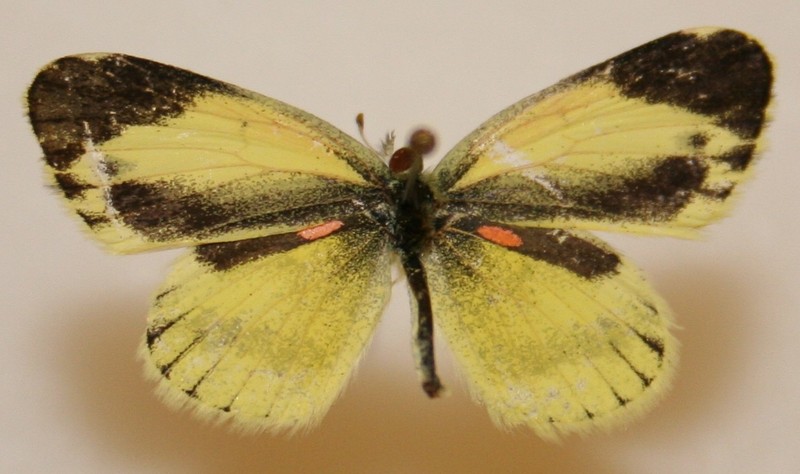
(291, 226)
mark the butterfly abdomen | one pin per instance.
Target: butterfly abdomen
(412, 230)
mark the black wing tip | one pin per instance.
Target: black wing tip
(722, 73)
(718, 72)
(92, 98)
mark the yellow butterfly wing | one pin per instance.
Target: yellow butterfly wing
(553, 329)
(653, 141)
(152, 156)
(267, 331)
(264, 320)
(557, 333)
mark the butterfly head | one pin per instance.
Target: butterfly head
(408, 159)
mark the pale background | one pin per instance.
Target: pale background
(72, 398)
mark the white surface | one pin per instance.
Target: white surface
(72, 395)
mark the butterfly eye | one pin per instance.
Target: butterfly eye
(421, 143)
(403, 159)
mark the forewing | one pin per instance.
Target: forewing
(552, 329)
(652, 141)
(267, 331)
(150, 156)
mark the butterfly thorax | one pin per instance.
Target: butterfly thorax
(412, 197)
(412, 226)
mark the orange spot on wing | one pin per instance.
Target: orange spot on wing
(500, 235)
(319, 231)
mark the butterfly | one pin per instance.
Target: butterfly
(292, 228)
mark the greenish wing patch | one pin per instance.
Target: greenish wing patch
(170, 211)
(653, 192)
